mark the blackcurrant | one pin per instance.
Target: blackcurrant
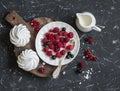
(63, 29)
(46, 44)
(54, 57)
(71, 55)
(68, 56)
(78, 70)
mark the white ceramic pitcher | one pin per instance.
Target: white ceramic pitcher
(86, 22)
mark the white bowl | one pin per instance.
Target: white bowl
(40, 36)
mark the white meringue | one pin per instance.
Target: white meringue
(19, 35)
(28, 60)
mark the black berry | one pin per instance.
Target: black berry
(68, 56)
(46, 44)
(78, 70)
(69, 53)
(63, 29)
(54, 57)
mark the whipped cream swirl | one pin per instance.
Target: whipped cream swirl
(19, 35)
(28, 60)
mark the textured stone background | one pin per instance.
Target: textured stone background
(104, 74)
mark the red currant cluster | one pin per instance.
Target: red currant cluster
(56, 42)
(90, 40)
(88, 55)
(42, 69)
(36, 25)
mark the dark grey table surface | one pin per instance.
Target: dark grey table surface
(103, 75)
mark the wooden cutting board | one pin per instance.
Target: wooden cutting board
(14, 19)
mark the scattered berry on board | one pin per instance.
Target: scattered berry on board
(36, 25)
(89, 55)
(42, 69)
(90, 40)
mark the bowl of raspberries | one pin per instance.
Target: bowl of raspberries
(53, 41)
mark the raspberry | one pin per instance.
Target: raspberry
(49, 53)
(82, 64)
(94, 58)
(64, 33)
(66, 39)
(59, 44)
(55, 42)
(69, 47)
(64, 45)
(62, 52)
(34, 23)
(45, 49)
(42, 69)
(90, 57)
(56, 30)
(88, 52)
(90, 40)
(60, 33)
(51, 37)
(58, 55)
(47, 35)
(31, 22)
(56, 37)
(36, 28)
(50, 30)
(51, 46)
(45, 40)
(61, 40)
(70, 35)
(56, 49)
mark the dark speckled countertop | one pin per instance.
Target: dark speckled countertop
(102, 75)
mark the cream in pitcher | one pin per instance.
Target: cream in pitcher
(86, 22)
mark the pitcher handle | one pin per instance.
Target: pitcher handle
(96, 28)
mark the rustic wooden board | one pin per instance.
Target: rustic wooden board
(14, 19)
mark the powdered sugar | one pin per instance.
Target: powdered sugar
(64, 73)
(1, 26)
(87, 73)
(115, 41)
(80, 83)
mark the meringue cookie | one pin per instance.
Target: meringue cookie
(28, 60)
(19, 35)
